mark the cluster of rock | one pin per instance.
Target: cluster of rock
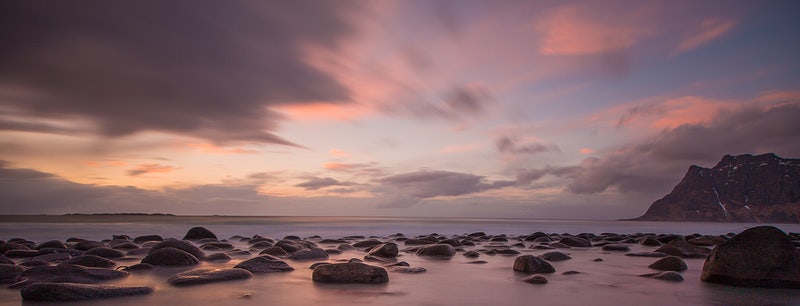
(75, 269)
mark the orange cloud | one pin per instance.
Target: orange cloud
(213, 149)
(710, 29)
(338, 153)
(323, 110)
(579, 30)
(113, 163)
(586, 151)
(151, 168)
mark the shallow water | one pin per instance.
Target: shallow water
(447, 282)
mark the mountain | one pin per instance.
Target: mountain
(744, 188)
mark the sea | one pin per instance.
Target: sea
(614, 279)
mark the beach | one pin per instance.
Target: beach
(604, 277)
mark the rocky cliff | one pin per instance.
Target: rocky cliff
(744, 188)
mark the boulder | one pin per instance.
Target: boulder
(64, 292)
(90, 261)
(555, 256)
(274, 251)
(679, 247)
(217, 257)
(471, 254)
(67, 274)
(5, 260)
(124, 245)
(264, 264)
(206, 275)
(10, 273)
(350, 273)
(146, 238)
(535, 279)
(87, 245)
(385, 250)
(367, 243)
(616, 247)
(178, 244)
(56, 244)
(650, 242)
(309, 254)
(407, 270)
(137, 267)
(532, 264)
(105, 253)
(669, 263)
(216, 246)
(437, 250)
(199, 232)
(671, 276)
(290, 246)
(22, 253)
(575, 242)
(169, 256)
(762, 256)
(647, 254)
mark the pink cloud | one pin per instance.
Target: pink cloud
(338, 153)
(580, 30)
(150, 168)
(213, 149)
(710, 29)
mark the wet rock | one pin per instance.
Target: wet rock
(264, 264)
(206, 275)
(350, 273)
(51, 257)
(597, 259)
(124, 245)
(87, 245)
(508, 252)
(669, 263)
(138, 252)
(616, 247)
(762, 256)
(199, 232)
(216, 246)
(90, 261)
(437, 250)
(570, 272)
(290, 246)
(61, 292)
(238, 253)
(535, 279)
(647, 254)
(137, 267)
(317, 264)
(274, 251)
(34, 263)
(559, 245)
(333, 251)
(309, 254)
(452, 241)
(22, 253)
(345, 247)
(407, 270)
(12, 246)
(67, 274)
(555, 256)
(575, 242)
(706, 241)
(367, 243)
(9, 273)
(178, 244)
(671, 276)
(471, 254)
(146, 238)
(262, 245)
(332, 241)
(105, 253)
(56, 244)
(5, 260)
(679, 247)
(385, 250)
(169, 256)
(477, 262)
(532, 264)
(219, 257)
(650, 242)
(420, 241)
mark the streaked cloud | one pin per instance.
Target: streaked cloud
(150, 168)
(709, 30)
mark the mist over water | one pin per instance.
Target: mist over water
(613, 281)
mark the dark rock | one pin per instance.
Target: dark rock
(332, 241)
(379, 259)
(671, 276)
(555, 256)
(146, 238)
(477, 262)
(309, 254)
(34, 263)
(216, 246)
(206, 275)
(532, 264)
(670, 263)
(218, 257)
(61, 292)
(420, 241)
(345, 247)
(262, 245)
(290, 246)
(5, 260)
(437, 250)
(274, 251)
(575, 242)
(9, 273)
(453, 242)
(597, 259)
(169, 256)
(350, 273)
(105, 253)
(333, 251)
(87, 245)
(706, 241)
(67, 274)
(647, 254)
(762, 256)
(12, 246)
(509, 252)
(407, 270)
(178, 244)
(197, 233)
(367, 243)
(22, 253)
(90, 261)
(535, 279)
(50, 257)
(138, 267)
(616, 247)
(651, 242)
(559, 245)
(56, 244)
(124, 245)
(264, 264)
(238, 253)
(471, 254)
(570, 272)
(679, 247)
(317, 264)
(140, 252)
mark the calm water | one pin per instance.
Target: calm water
(613, 281)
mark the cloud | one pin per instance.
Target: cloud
(151, 168)
(457, 103)
(315, 183)
(507, 145)
(214, 73)
(431, 184)
(582, 30)
(710, 29)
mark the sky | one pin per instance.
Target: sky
(497, 109)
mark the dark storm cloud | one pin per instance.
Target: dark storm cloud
(657, 164)
(207, 69)
(507, 145)
(429, 184)
(315, 183)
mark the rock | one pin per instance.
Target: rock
(345, 247)
(90, 261)
(5, 247)
(535, 279)
(575, 242)
(123, 245)
(64, 292)
(274, 251)
(478, 262)
(317, 264)
(105, 253)
(169, 256)
(34, 263)
(706, 241)
(350, 273)
(570, 272)
(140, 252)
(647, 254)
(146, 238)
(50, 257)
(217, 257)
(420, 241)
(178, 244)
(554, 256)
(597, 259)
(679, 247)
(67, 274)
(616, 247)
(87, 245)
(367, 243)
(206, 275)
(216, 246)
(197, 233)
(532, 264)
(309, 254)
(509, 252)
(290, 246)
(650, 242)
(471, 254)
(437, 250)
(385, 250)
(670, 263)
(138, 267)
(671, 276)
(56, 244)
(407, 270)
(558, 245)
(762, 256)
(333, 251)
(264, 264)
(452, 241)
(5, 260)
(9, 273)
